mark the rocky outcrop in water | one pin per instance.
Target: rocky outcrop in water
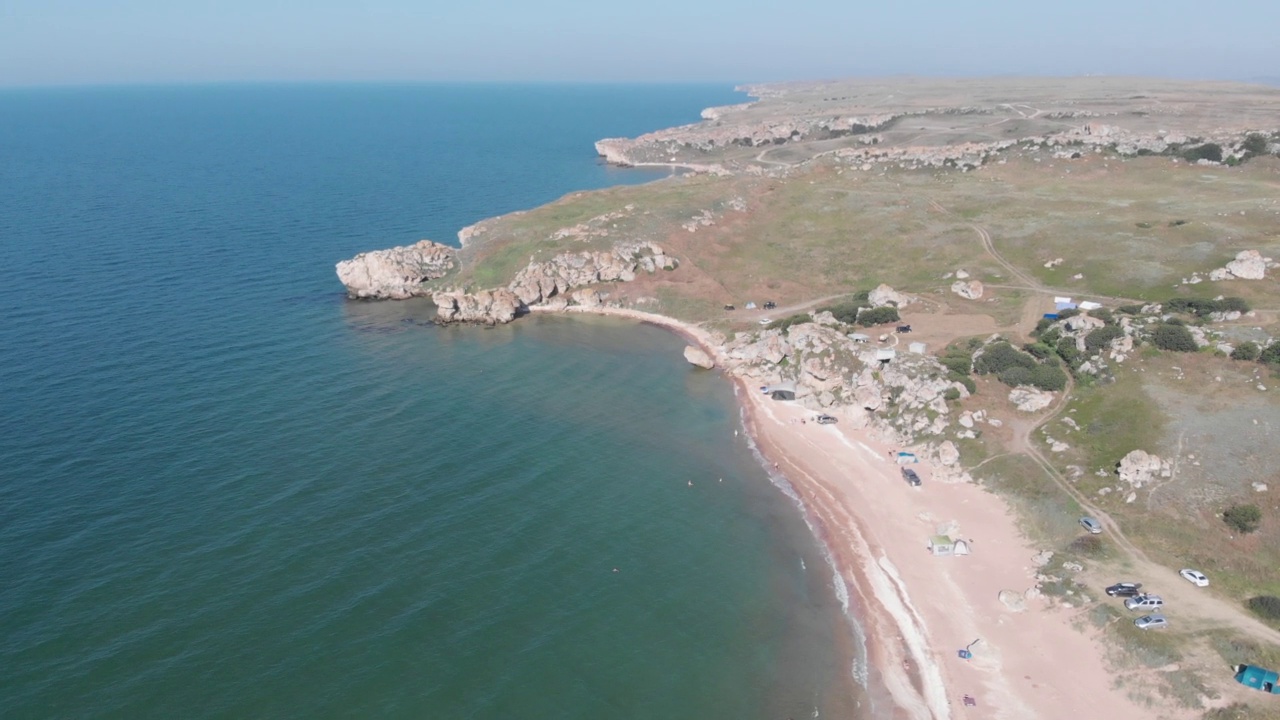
(396, 273)
(697, 357)
(487, 307)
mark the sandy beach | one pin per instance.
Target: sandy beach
(918, 610)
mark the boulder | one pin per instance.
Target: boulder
(487, 307)
(1248, 265)
(948, 454)
(971, 290)
(1013, 600)
(396, 273)
(696, 356)
(1140, 467)
(1030, 399)
(885, 295)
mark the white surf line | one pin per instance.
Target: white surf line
(890, 591)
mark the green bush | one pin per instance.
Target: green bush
(1049, 377)
(846, 311)
(951, 394)
(958, 364)
(1168, 336)
(1270, 354)
(1044, 324)
(1104, 315)
(1267, 606)
(1066, 349)
(1255, 144)
(1207, 151)
(1016, 375)
(1068, 313)
(1244, 518)
(1001, 356)
(1248, 351)
(1097, 340)
(1203, 308)
(964, 380)
(787, 322)
(1039, 351)
(878, 316)
(1130, 309)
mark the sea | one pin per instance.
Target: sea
(228, 491)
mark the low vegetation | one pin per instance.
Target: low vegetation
(1265, 606)
(1244, 518)
(1015, 367)
(1175, 337)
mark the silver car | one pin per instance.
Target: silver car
(1151, 622)
(1091, 525)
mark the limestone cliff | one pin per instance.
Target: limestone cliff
(396, 273)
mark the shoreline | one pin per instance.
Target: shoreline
(914, 610)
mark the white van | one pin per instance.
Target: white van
(1145, 603)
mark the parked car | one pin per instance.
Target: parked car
(1144, 602)
(729, 307)
(765, 321)
(825, 419)
(911, 477)
(1091, 525)
(770, 305)
(904, 328)
(1195, 577)
(1125, 589)
(1151, 622)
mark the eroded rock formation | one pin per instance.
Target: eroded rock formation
(396, 273)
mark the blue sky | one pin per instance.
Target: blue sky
(45, 42)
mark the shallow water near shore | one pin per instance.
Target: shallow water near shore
(228, 491)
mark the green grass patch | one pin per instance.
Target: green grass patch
(1114, 418)
(1045, 512)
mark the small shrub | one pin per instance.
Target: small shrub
(787, 322)
(1130, 309)
(1255, 144)
(1244, 518)
(964, 380)
(951, 394)
(1049, 377)
(1066, 349)
(878, 316)
(1016, 375)
(846, 310)
(958, 364)
(1068, 313)
(1207, 151)
(1095, 341)
(1104, 315)
(1001, 356)
(1041, 326)
(1248, 351)
(1266, 606)
(1271, 354)
(1168, 336)
(1039, 351)
(1087, 546)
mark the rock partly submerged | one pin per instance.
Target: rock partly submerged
(396, 273)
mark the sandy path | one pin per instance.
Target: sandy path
(918, 610)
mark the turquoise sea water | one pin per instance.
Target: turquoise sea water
(228, 492)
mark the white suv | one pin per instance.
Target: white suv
(1144, 602)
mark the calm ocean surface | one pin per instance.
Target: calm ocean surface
(228, 492)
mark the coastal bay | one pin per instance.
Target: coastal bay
(232, 492)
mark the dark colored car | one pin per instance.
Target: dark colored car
(911, 477)
(826, 420)
(904, 328)
(1125, 589)
(770, 305)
